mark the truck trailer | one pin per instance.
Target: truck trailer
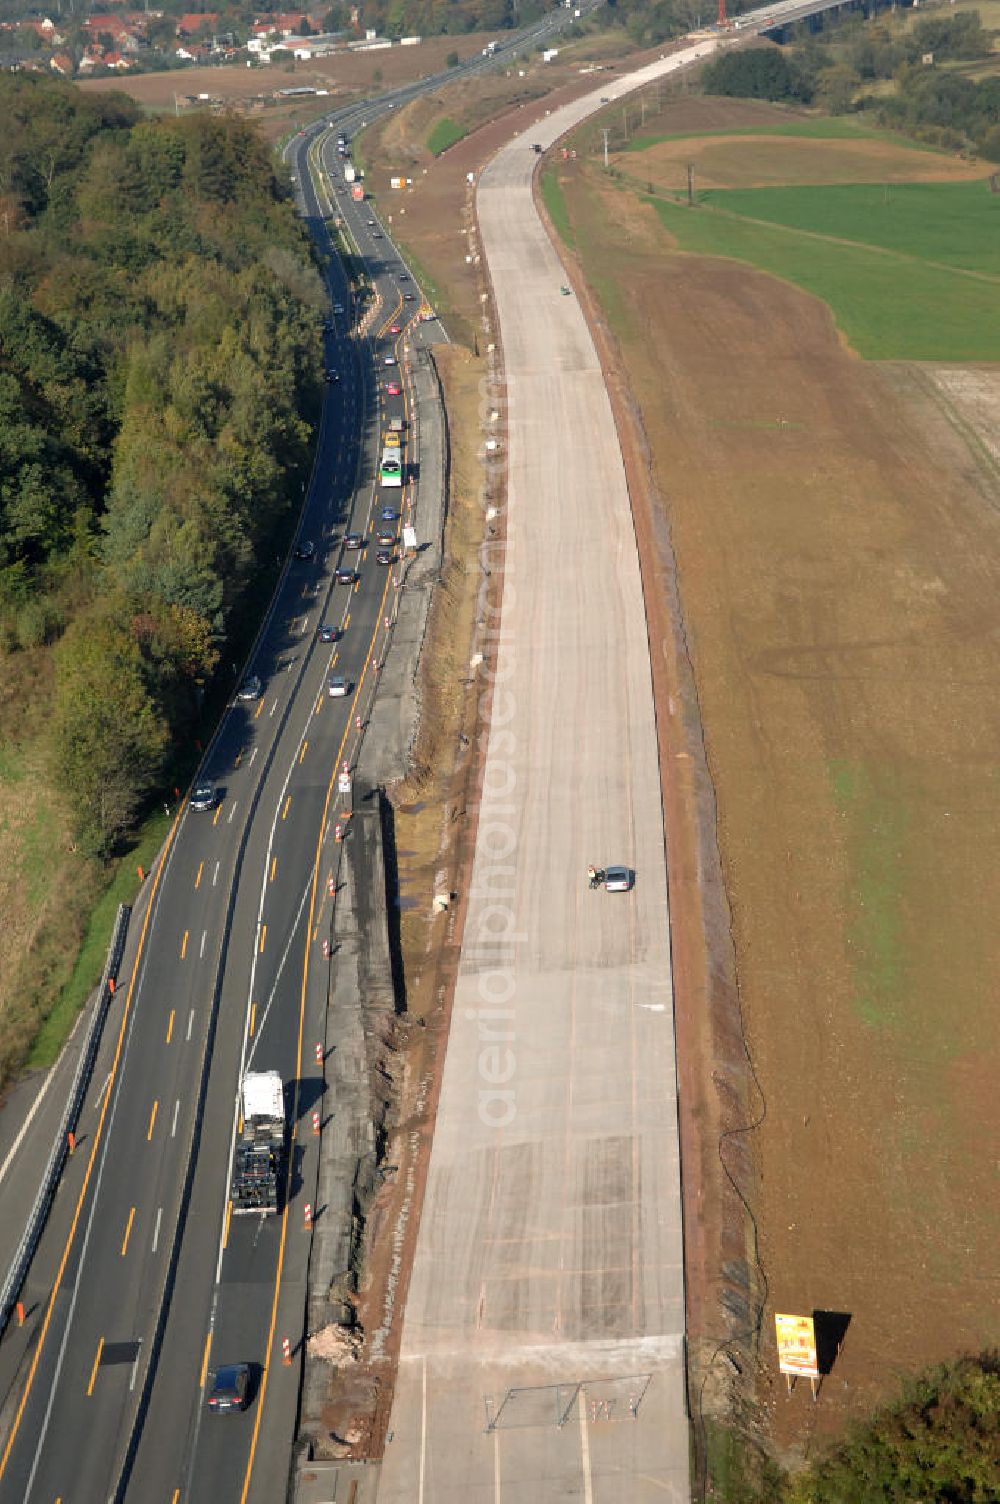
(259, 1159)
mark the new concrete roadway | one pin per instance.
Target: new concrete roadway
(543, 1340)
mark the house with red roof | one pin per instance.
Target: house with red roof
(194, 21)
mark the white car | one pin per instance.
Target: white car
(617, 880)
(390, 360)
(338, 687)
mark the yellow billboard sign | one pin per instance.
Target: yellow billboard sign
(796, 1345)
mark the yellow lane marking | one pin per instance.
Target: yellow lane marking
(317, 858)
(94, 1147)
(253, 1018)
(239, 758)
(260, 707)
(288, 802)
(218, 812)
(128, 1229)
(204, 1361)
(274, 867)
(152, 1120)
(93, 1371)
(170, 1024)
(347, 621)
(263, 937)
(184, 945)
(225, 1230)
(201, 868)
(303, 752)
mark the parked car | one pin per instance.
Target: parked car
(250, 689)
(617, 879)
(203, 795)
(229, 1388)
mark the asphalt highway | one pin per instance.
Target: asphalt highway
(159, 1283)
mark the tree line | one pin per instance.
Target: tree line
(159, 362)
(835, 68)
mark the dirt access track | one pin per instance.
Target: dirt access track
(836, 531)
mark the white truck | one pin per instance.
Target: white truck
(259, 1160)
(350, 172)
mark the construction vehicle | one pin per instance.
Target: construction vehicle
(259, 1159)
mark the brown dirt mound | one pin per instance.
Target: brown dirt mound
(762, 162)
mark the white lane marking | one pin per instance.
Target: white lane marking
(156, 1229)
(173, 1126)
(190, 1023)
(215, 875)
(135, 1368)
(263, 1014)
(253, 754)
(588, 1482)
(27, 1122)
(423, 1433)
(231, 814)
(201, 950)
(273, 709)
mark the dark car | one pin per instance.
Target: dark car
(250, 689)
(385, 557)
(305, 550)
(408, 297)
(394, 329)
(328, 633)
(354, 541)
(229, 1389)
(345, 576)
(388, 515)
(403, 277)
(332, 377)
(203, 795)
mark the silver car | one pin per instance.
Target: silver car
(617, 880)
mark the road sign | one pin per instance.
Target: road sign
(410, 538)
(343, 784)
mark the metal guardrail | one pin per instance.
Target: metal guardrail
(36, 1221)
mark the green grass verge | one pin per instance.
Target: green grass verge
(889, 306)
(122, 888)
(822, 128)
(738, 1471)
(444, 133)
(555, 206)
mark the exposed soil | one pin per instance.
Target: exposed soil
(763, 162)
(836, 531)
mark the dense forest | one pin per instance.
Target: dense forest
(839, 70)
(159, 362)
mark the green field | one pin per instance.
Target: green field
(823, 128)
(890, 302)
(444, 133)
(555, 203)
(954, 224)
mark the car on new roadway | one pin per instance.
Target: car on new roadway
(617, 879)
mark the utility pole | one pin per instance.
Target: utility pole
(690, 167)
(605, 133)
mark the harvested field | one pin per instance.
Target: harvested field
(761, 162)
(836, 527)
